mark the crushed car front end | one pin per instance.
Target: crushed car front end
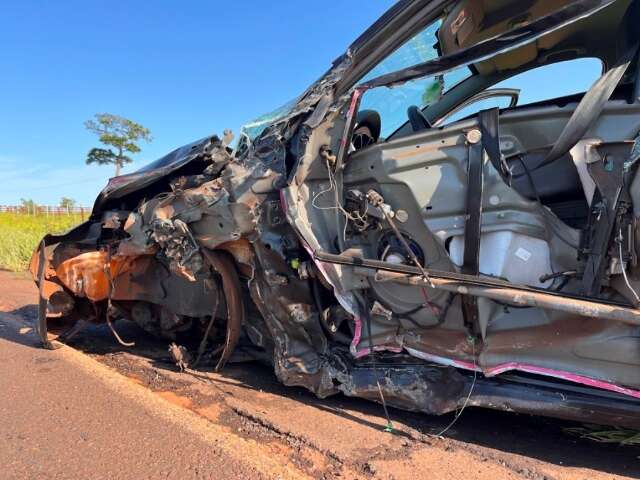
(429, 265)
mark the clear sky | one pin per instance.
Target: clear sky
(184, 69)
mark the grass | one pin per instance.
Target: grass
(596, 433)
(21, 233)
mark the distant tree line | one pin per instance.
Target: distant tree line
(29, 207)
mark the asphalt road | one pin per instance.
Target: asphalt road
(66, 416)
(98, 410)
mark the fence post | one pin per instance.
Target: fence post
(46, 210)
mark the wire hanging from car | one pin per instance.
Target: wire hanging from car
(354, 217)
(471, 388)
(107, 271)
(389, 426)
(529, 177)
(115, 334)
(377, 200)
(624, 270)
(365, 313)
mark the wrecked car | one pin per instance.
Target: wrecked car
(419, 228)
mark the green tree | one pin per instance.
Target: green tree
(29, 206)
(118, 132)
(433, 91)
(67, 203)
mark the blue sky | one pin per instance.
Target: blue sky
(183, 69)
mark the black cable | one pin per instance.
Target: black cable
(528, 173)
(406, 315)
(554, 275)
(367, 318)
(562, 284)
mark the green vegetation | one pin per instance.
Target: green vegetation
(20, 234)
(597, 433)
(118, 132)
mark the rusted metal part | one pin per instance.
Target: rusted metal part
(49, 288)
(524, 298)
(488, 288)
(242, 253)
(224, 265)
(86, 275)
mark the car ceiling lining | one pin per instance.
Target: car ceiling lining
(501, 43)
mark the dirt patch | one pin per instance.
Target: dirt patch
(196, 392)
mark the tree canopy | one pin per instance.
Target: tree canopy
(67, 203)
(28, 205)
(118, 132)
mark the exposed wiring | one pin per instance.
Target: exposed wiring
(367, 317)
(376, 200)
(528, 173)
(564, 276)
(115, 334)
(355, 217)
(389, 427)
(561, 285)
(471, 388)
(426, 303)
(540, 150)
(107, 271)
(440, 314)
(624, 270)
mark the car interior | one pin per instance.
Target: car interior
(548, 196)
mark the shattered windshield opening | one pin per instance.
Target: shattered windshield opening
(254, 128)
(392, 103)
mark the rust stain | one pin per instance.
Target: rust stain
(86, 274)
(418, 151)
(210, 412)
(240, 249)
(176, 399)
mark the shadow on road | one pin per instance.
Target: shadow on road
(536, 437)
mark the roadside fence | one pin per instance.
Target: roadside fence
(45, 210)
